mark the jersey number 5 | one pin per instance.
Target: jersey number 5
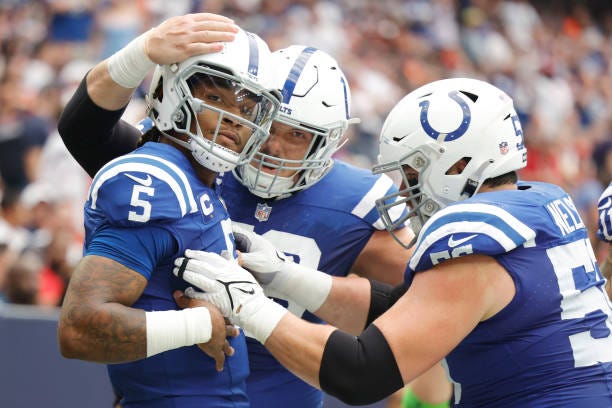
(576, 271)
(145, 207)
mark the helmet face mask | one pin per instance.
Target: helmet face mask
(315, 105)
(456, 134)
(303, 163)
(407, 173)
(221, 102)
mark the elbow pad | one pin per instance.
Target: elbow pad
(382, 297)
(94, 135)
(359, 370)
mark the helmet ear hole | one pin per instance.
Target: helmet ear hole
(470, 95)
(159, 91)
(459, 166)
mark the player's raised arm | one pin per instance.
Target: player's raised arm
(90, 124)
(111, 83)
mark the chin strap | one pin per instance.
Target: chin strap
(472, 185)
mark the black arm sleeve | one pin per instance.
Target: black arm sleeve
(382, 297)
(94, 135)
(359, 370)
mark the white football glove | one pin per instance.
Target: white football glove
(232, 289)
(281, 277)
(604, 206)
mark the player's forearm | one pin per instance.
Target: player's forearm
(109, 333)
(299, 346)
(112, 82)
(352, 293)
(97, 322)
(358, 370)
(104, 91)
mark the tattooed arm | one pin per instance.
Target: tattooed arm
(98, 324)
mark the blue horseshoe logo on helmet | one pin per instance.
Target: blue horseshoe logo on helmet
(455, 134)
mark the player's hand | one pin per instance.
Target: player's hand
(258, 255)
(181, 37)
(604, 206)
(226, 285)
(278, 275)
(218, 346)
(232, 289)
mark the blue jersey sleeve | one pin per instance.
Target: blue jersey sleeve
(604, 206)
(469, 228)
(137, 189)
(139, 249)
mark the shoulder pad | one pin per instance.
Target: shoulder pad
(469, 228)
(140, 188)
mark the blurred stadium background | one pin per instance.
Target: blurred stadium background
(553, 57)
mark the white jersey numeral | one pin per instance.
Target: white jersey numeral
(145, 213)
(304, 250)
(572, 262)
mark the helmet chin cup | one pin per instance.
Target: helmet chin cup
(265, 185)
(218, 158)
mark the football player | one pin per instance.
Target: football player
(604, 232)
(502, 284)
(319, 211)
(212, 112)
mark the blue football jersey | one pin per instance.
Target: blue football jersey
(552, 345)
(156, 188)
(604, 223)
(325, 227)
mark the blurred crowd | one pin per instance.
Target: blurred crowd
(553, 57)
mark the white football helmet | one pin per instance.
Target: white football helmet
(242, 72)
(431, 129)
(316, 99)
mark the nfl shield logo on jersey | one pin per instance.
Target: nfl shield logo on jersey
(262, 212)
(503, 148)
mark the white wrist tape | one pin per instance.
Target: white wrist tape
(129, 66)
(259, 317)
(170, 329)
(307, 287)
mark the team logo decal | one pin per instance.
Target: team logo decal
(503, 148)
(455, 134)
(262, 212)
